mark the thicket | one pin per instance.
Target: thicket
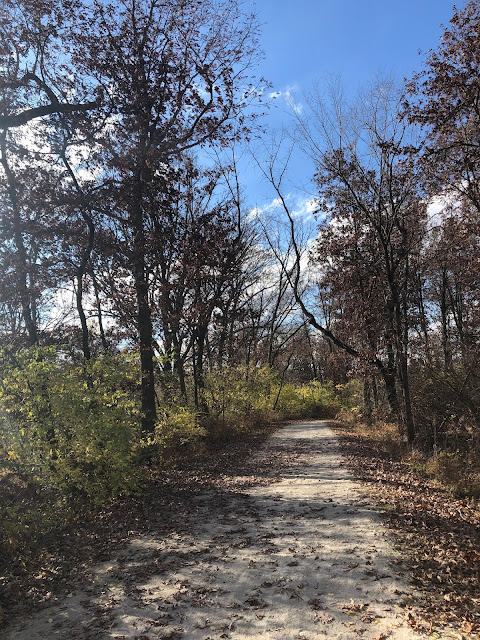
(448, 446)
(71, 440)
(75, 426)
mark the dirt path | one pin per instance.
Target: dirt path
(301, 558)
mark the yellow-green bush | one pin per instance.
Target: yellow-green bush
(239, 396)
(311, 400)
(350, 395)
(74, 426)
(178, 427)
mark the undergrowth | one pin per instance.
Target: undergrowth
(457, 471)
(70, 442)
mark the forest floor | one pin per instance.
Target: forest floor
(281, 545)
(437, 532)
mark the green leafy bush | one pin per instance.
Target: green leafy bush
(312, 400)
(238, 397)
(178, 427)
(350, 395)
(75, 426)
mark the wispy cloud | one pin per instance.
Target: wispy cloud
(301, 208)
(289, 96)
(305, 209)
(258, 212)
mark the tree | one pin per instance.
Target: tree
(37, 78)
(150, 79)
(189, 278)
(370, 193)
(373, 217)
(174, 74)
(39, 89)
(445, 100)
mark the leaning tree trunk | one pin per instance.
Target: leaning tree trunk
(81, 314)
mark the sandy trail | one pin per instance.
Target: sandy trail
(301, 558)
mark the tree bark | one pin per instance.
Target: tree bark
(198, 369)
(101, 328)
(22, 262)
(389, 380)
(144, 318)
(81, 314)
(145, 335)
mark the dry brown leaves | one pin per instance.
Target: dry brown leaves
(60, 554)
(438, 536)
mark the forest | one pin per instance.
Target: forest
(148, 310)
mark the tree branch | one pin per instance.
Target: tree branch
(19, 119)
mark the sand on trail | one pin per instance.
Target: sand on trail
(304, 557)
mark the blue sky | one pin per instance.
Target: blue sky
(304, 40)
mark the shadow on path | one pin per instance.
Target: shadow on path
(299, 557)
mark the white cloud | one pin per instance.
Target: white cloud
(305, 209)
(289, 96)
(257, 212)
(292, 102)
(301, 208)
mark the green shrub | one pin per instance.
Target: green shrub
(178, 427)
(238, 397)
(350, 395)
(75, 426)
(311, 400)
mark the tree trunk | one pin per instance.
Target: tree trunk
(101, 328)
(145, 335)
(179, 369)
(375, 392)
(446, 348)
(82, 268)
(22, 262)
(85, 259)
(198, 369)
(367, 400)
(81, 314)
(389, 379)
(144, 319)
(401, 348)
(405, 385)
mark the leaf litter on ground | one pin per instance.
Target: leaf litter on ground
(437, 535)
(76, 537)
